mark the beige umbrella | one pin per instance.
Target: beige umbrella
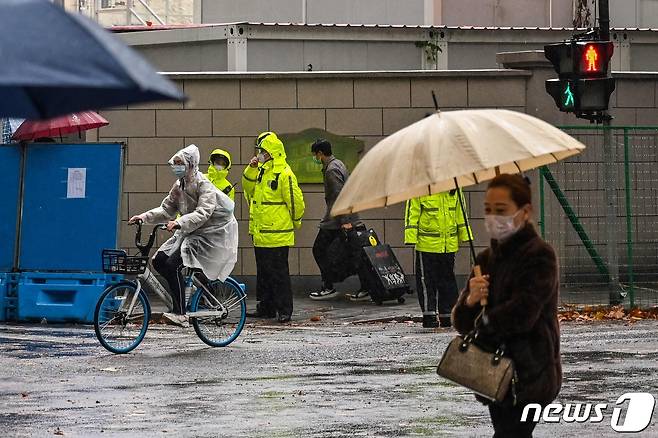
(451, 149)
(448, 150)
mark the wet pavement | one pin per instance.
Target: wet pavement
(344, 373)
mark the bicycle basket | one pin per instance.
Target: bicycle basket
(116, 261)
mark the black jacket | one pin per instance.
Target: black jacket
(335, 175)
(522, 311)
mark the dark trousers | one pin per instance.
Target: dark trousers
(435, 282)
(273, 288)
(170, 268)
(506, 420)
(323, 241)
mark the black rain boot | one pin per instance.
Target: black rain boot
(429, 321)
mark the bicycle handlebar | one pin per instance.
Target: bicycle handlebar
(145, 249)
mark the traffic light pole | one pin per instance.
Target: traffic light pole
(609, 178)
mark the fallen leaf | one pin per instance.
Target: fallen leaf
(316, 318)
(24, 394)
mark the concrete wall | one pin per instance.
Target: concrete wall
(411, 12)
(261, 47)
(366, 11)
(268, 11)
(230, 110)
(198, 56)
(634, 13)
(528, 13)
(277, 55)
(314, 11)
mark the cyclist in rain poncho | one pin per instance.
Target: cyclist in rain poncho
(206, 234)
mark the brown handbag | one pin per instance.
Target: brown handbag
(489, 375)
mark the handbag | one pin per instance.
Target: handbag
(487, 374)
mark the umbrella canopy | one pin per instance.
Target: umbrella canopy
(77, 122)
(451, 149)
(56, 63)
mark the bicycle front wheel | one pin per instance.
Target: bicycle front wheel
(221, 313)
(121, 318)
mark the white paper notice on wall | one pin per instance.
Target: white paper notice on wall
(76, 184)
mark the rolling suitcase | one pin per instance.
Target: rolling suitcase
(346, 253)
(386, 279)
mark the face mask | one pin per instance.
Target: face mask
(178, 169)
(501, 227)
(261, 157)
(219, 167)
(316, 160)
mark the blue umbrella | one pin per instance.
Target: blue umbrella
(54, 63)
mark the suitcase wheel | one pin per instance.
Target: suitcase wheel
(401, 300)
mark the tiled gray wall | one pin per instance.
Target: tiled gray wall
(229, 113)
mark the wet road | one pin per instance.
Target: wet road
(328, 379)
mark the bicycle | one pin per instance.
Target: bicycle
(217, 310)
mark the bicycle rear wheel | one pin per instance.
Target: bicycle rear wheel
(118, 327)
(222, 313)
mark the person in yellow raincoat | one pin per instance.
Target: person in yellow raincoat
(435, 225)
(220, 165)
(276, 207)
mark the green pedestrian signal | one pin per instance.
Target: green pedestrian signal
(580, 95)
(568, 99)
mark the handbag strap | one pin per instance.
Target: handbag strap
(473, 334)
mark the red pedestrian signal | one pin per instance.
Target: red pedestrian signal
(591, 57)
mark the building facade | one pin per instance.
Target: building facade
(246, 47)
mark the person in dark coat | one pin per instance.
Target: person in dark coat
(331, 229)
(520, 281)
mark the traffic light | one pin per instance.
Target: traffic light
(584, 84)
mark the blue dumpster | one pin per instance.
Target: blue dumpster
(8, 296)
(10, 166)
(61, 297)
(71, 203)
(70, 213)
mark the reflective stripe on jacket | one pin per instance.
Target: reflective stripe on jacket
(435, 223)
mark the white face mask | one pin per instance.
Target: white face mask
(219, 167)
(261, 157)
(501, 227)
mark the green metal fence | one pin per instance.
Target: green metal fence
(600, 211)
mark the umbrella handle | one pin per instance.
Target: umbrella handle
(478, 273)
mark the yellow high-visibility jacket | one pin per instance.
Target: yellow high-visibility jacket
(435, 223)
(276, 203)
(218, 177)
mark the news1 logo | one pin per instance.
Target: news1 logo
(637, 416)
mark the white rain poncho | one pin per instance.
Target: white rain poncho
(208, 237)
